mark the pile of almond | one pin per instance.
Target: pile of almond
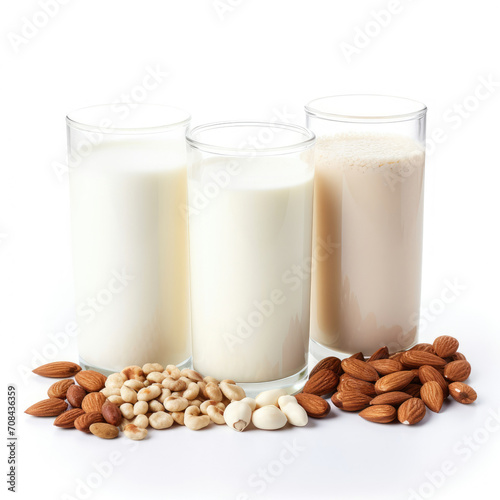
(133, 400)
(387, 387)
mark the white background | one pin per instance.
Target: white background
(244, 62)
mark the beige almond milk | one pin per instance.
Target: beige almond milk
(369, 202)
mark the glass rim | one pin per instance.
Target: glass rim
(308, 139)
(414, 109)
(76, 119)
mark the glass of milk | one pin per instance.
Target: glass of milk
(368, 208)
(128, 189)
(250, 202)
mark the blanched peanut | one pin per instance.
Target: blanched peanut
(175, 403)
(134, 432)
(237, 415)
(193, 420)
(156, 377)
(110, 391)
(192, 391)
(155, 405)
(115, 380)
(136, 385)
(141, 421)
(161, 420)
(127, 410)
(216, 414)
(294, 413)
(128, 395)
(192, 375)
(269, 418)
(174, 385)
(250, 402)
(178, 417)
(117, 400)
(213, 392)
(165, 393)
(210, 402)
(149, 393)
(134, 372)
(173, 371)
(152, 367)
(232, 391)
(269, 397)
(124, 422)
(141, 408)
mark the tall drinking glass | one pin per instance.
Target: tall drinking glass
(250, 200)
(369, 189)
(128, 187)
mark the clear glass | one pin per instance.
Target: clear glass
(128, 194)
(368, 211)
(250, 194)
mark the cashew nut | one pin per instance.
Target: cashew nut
(174, 385)
(141, 408)
(161, 420)
(216, 414)
(127, 410)
(136, 385)
(173, 371)
(115, 380)
(195, 402)
(134, 432)
(156, 377)
(128, 395)
(134, 372)
(165, 393)
(213, 392)
(111, 391)
(192, 391)
(148, 393)
(178, 417)
(155, 405)
(232, 391)
(175, 403)
(238, 415)
(192, 375)
(141, 421)
(210, 402)
(208, 379)
(152, 367)
(193, 420)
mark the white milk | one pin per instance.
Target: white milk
(130, 255)
(369, 204)
(250, 318)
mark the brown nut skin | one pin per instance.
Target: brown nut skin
(75, 395)
(111, 413)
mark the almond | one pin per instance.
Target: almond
(51, 407)
(457, 371)
(415, 359)
(411, 412)
(350, 384)
(58, 369)
(382, 353)
(359, 369)
(111, 413)
(432, 395)
(351, 401)
(330, 363)
(90, 380)
(66, 420)
(104, 431)
(83, 422)
(423, 347)
(358, 355)
(380, 414)
(321, 383)
(394, 398)
(458, 356)
(462, 393)
(428, 374)
(75, 395)
(93, 402)
(60, 388)
(394, 382)
(315, 406)
(413, 390)
(445, 346)
(386, 366)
